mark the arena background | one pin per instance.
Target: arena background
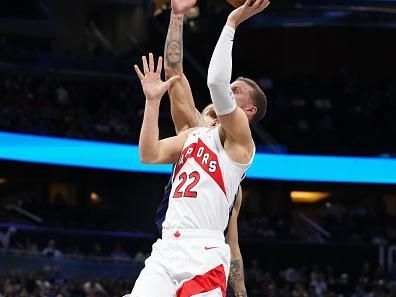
(76, 218)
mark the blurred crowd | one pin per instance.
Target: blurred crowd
(306, 114)
(319, 282)
(84, 107)
(313, 281)
(50, 282)
(338, 222)
(340, 114)
(34, 52)
(99, 249)
(100, 109)
(359, 225)
(355, 225)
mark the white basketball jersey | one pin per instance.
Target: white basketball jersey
(205, 183)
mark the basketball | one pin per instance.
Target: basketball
(237, 3)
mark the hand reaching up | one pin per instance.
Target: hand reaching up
(247, 10)
(153, 86)
(182, 6)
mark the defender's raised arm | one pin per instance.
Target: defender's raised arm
(151, 149)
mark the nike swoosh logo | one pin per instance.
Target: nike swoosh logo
(210, 247)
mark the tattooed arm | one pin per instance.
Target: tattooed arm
(236, 278)
(174, 44)
(184, 113)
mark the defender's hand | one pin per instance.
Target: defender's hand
(153, 87)
(181, 6)
(246, 11)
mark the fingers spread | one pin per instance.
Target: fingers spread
(138, 72)
(258, 4)
(145, 66)
(248, 3)
(159, 65)
(264, 5)
(151, 62)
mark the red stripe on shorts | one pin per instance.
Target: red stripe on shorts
(211, 280)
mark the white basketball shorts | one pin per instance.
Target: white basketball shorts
(185, 263)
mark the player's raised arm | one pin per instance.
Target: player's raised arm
(151, 149)
(184, 113)
(234, 121)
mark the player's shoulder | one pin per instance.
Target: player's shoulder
(188, 131)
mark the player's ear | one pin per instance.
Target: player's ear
(251, 110)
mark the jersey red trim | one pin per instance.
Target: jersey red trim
(211, 280)
(205, 158)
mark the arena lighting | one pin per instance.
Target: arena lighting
(308, 197)
(103, 155)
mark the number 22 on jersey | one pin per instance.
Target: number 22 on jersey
(191, 180)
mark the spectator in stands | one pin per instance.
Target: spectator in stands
(318, 284)
(8, 289)
(299, 290)
(140, 257)
(55, 276)
(119, 253)
(51, 250)
(94, 289)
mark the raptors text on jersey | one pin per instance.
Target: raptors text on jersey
(205, 182)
